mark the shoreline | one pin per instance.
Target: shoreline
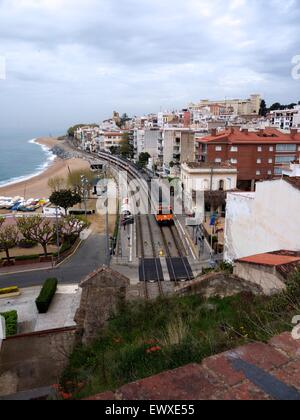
(39, 170)
(36, 186)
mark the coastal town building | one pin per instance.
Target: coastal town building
(230, 107)
(178, 147)
(258, 155)
(201, 177)
(109, 139)
(286, 118)
(261, 221)
(270, 271)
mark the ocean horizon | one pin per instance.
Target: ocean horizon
(21, 158)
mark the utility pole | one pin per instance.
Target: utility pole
(106, 224)
(84, 183)
(57, 234)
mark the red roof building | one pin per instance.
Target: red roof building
(258, 155)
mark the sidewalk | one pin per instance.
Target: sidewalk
(25, 268)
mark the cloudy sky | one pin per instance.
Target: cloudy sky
(71, 61)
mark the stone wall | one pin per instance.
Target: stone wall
(34, 360)
(102, 291)
(217, 284)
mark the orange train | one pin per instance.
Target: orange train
(164, 216)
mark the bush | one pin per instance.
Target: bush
(47, 293)
(27, 257)
(11, 323)
(9, 290)
(27, 244)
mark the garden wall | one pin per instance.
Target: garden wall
(34, 360)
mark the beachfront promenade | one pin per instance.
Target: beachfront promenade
(89, 257)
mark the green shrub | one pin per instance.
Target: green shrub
(27, 244)
(27, 257)
(9, 290)
(47, 293)
(11, 323)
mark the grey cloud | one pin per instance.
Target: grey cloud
(91, 56)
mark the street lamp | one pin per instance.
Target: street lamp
(84, 183)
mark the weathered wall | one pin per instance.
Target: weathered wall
(266, 277)
(217, 284)
(264, 222)
(34, 360)
(101, 293)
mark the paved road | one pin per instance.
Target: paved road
(89, 257)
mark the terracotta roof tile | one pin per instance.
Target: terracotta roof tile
(270, 259)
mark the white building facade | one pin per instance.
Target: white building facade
(201, 177)
(263, 221)
(286, 119)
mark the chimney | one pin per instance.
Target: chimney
(213, 132)
(294, 132)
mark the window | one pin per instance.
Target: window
(284, 159)
(221, 185)
(278, 171)
(270, 161)
(271, 149)
(234, 149)
(218, 148)
(286, 148)
(234, 161)
(259, 149)
(270, 173)
(258, 173)
(218, 160)
(258, 161)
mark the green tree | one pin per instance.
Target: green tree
(9, 236)
(263, 109)
(65, 199)
(144, 159)
(37, 229)
(126, 149)
(114, 150)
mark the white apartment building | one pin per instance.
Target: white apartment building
(200, 177)
(263, 221)
(286, 119)
(108, 139)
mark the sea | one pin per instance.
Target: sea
(21, 158)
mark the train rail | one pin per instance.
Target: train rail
(150, 269)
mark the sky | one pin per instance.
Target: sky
(71, 61)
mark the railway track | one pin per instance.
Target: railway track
(150, 268)
(178, 266)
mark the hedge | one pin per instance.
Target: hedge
(11, 323)
(47, 293)
(9, 290)
(27, 257)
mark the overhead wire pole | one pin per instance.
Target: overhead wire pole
(106, 224)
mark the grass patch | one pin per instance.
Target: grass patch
(146, 338)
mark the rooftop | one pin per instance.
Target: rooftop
(285, 262)
(207, 165)
(267, 136)
(273, 259)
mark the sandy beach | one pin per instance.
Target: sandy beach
(37, 187)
